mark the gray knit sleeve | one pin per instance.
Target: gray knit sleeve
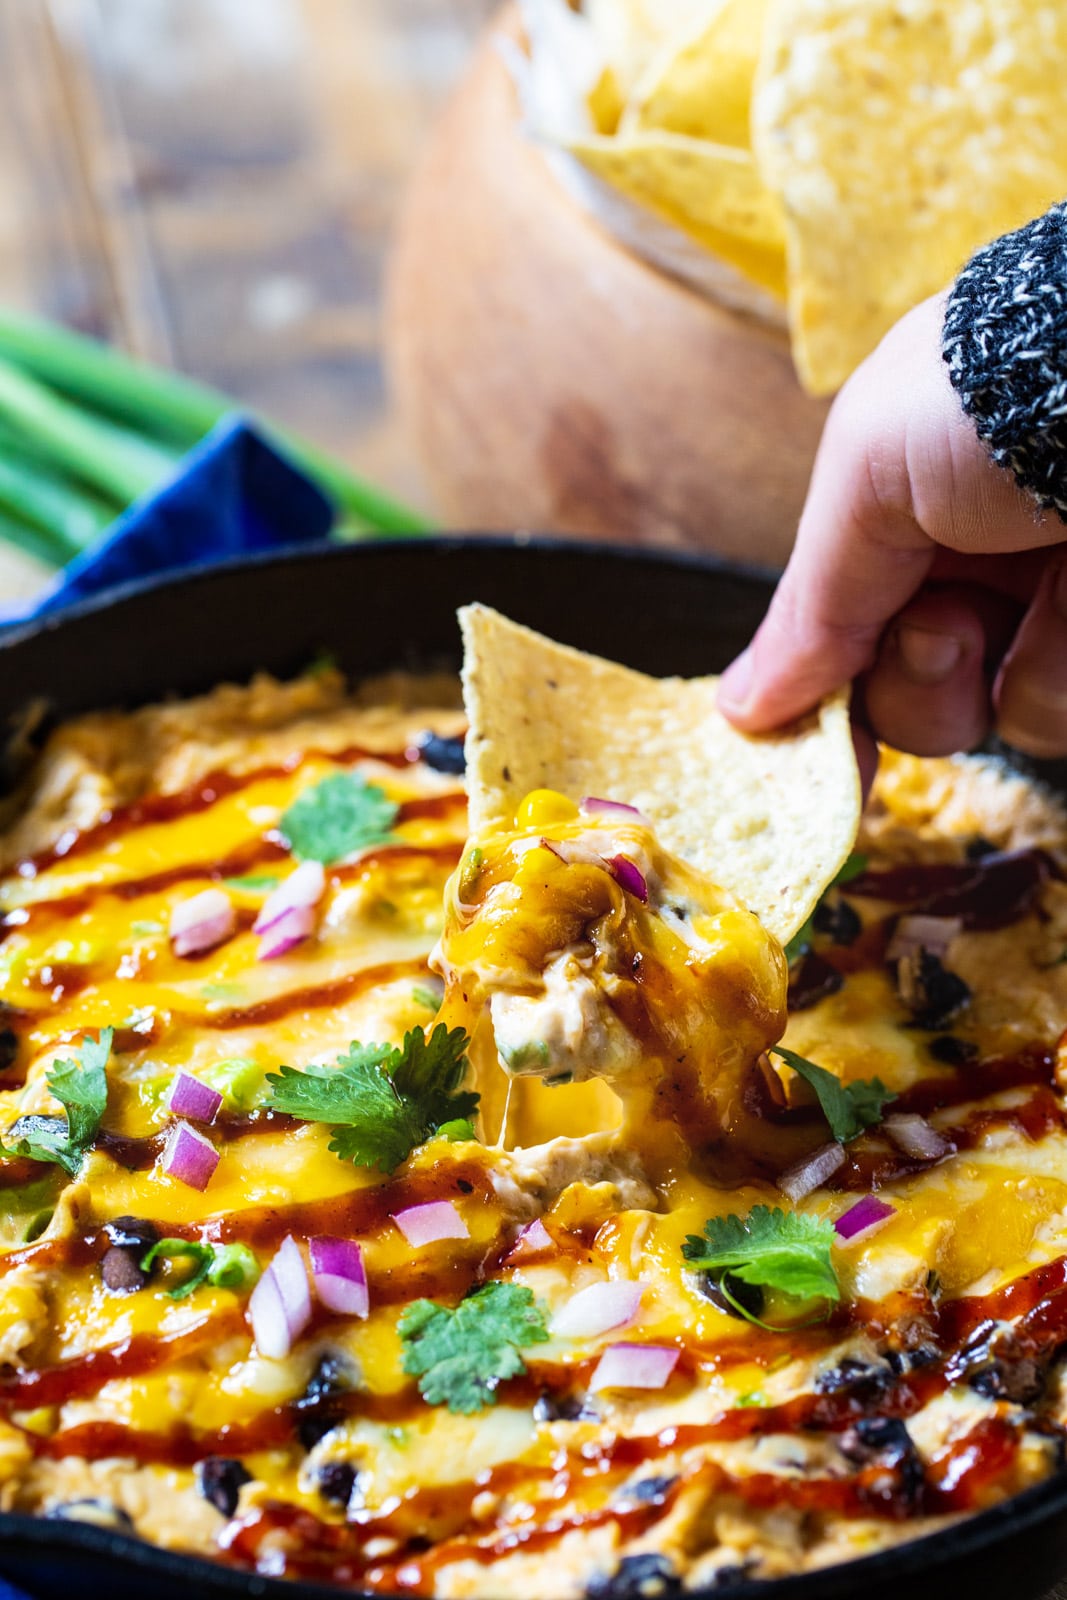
(1005, 342)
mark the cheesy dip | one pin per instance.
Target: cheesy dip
(612, 1250)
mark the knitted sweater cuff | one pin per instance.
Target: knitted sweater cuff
(1005, 343)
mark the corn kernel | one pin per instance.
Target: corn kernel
(543, 806)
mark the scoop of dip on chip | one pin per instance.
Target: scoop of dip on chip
(634, 867)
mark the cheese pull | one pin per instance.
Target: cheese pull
(597, 954)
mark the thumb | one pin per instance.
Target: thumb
(860, 555)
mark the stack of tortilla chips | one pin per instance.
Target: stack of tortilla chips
(845, 157)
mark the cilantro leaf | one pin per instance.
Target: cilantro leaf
(461, 1356)
(852, 868)
(429, 1071)
(382, 1101)
(849, 1108)
(776, 1249)
(81, 1089)
(340, 814)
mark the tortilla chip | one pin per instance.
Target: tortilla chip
(703, 86)
(901, 138)
(712, 192)
(631, 31)
(771, 819)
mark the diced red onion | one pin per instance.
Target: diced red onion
(597, 1309)
(592, 806)
(532, 1239)
(201, 922)
(292, 928)
(634, 1366)
(280, 1304)
(630, 877)
(915, 1136)
(917, 932)
(863, 1215)
(189, 1157)
(806, 1175)
(191, 1098)
(339, 1274)
(438, 1219)
(303, 887)
(574, 853)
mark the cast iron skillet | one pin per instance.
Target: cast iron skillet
(388, 605)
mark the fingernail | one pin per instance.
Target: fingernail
(735, 684)
(928, 657)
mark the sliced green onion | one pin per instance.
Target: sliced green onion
(224, 1266)
(177, 1249)
(234, 1267)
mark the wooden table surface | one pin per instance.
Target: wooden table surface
(212, 184)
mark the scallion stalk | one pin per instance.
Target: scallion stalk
(172, 405)
(22, 536)
(68, 519)
(116, 462)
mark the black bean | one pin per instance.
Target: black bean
(333, 1376)
(318, 1412)
(901, 1361)
(314, 1427)
(443, 755)
(132, 1232)
(749, 1296)
(101, 1513)
(219, 1480)
(550, 1407)
(885, 1443)
(932, 993)
(953, 1051)
(812, 979)
(865, 1380)
(1021, 1381)
(121, 1271)
(644, 1577)
(38, 1127)
(337, 1479)
(838, 920)
(731, 1577)
(993, 1363)
(120, 1267)
(978, 847)
(647, 1491)
(9, 1048)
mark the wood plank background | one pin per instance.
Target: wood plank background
(212, 184)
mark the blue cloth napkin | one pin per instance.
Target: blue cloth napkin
(233, 495)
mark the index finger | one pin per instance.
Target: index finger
(900, 472)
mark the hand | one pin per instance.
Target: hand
(921, 565)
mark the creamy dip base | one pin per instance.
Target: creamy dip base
(760, 1455)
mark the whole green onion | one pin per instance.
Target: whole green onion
(181, 409)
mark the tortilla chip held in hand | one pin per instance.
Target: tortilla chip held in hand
(772, 819)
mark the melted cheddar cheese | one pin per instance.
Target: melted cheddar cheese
(932, 1389)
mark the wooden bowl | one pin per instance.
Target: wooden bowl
(549, 379)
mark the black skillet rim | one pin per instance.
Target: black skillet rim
(1027, 1512)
